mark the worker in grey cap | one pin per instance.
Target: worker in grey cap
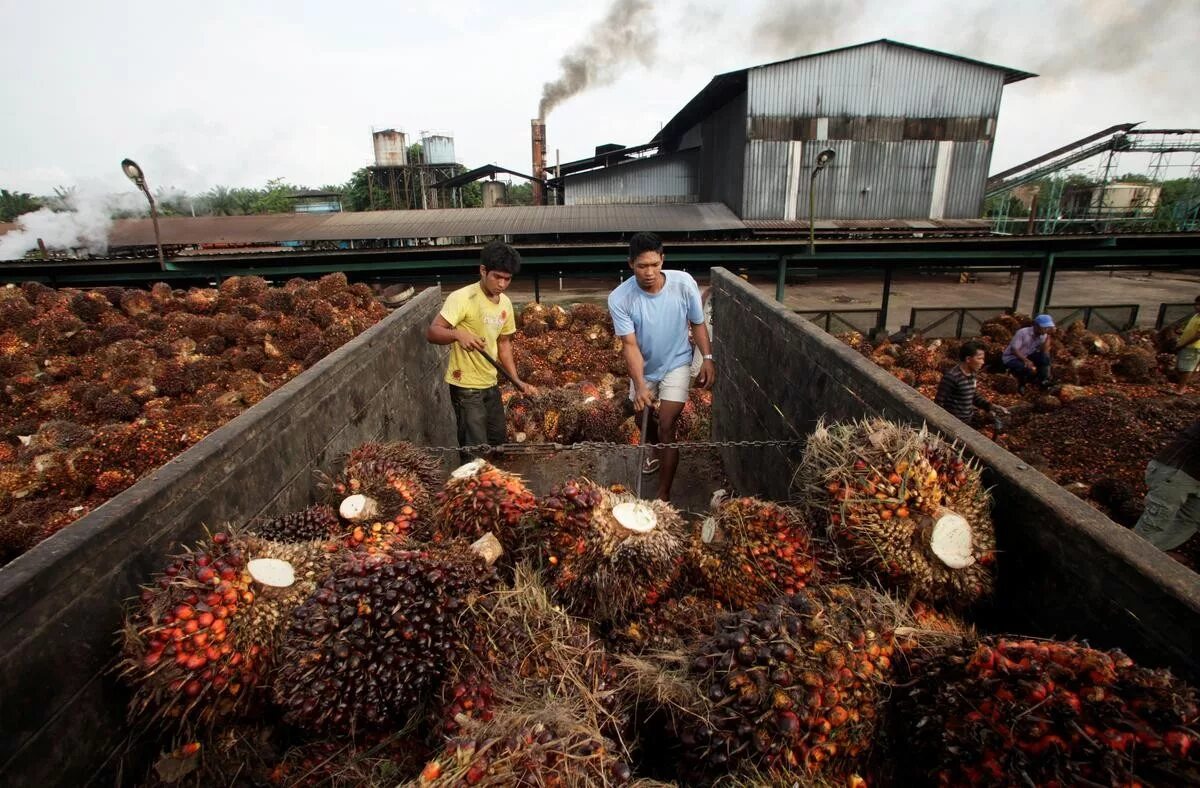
(1028, 353)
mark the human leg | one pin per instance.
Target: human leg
(652, 460)
(672, 396)
(1041, 360)
(1169, 490)
(1019, 371)
(471, 414)
(1186, 362)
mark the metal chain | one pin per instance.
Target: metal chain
(535, 448)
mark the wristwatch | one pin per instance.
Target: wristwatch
(707, 356)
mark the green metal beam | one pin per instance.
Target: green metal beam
(1041, 296)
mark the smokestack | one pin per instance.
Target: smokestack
(538, 130)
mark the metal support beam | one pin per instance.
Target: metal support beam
(881, 325)
(1017, 290)
(781, 278)
(537, 288)
(1041, 296)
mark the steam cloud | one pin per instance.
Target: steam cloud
(790, 29)
(626, 34)
(84, 225)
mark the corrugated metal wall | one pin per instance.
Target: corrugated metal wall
(968, 174)
(723, 154)
(877, 80)
(659, 179)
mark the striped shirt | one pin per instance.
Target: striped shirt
(956, 393)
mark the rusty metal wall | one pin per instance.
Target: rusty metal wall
(880, 80)
(391, 148)
(723, 154)
(660, 179)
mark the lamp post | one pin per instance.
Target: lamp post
(134, 173)
(823, 158)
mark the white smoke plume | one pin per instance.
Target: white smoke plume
(83, 226)
(626, 34)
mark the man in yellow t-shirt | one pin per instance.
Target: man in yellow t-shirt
(1188, 349)
(475, 319)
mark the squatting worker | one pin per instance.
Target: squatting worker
(476, 319)
(651, 313)
(1172, 510)
(1187, 349)
(956, 393)
(1027, 356)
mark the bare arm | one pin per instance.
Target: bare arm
(442, 333)
(708, 370)
(505, 351)
(637, 371)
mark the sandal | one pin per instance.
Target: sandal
(650, 465)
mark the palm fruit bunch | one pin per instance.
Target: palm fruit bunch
(527, 647)
(673, 625)
(585, 316)
(600, 420)
(532, 319)
(319, 521)
(552, 414)
(1003, 711)
(920, 356)
(794, 685)
(375, 639)
(389, 492)
(544, 747)
(627, 557)
(908, 507)
(479, 498)
(200, 640)
(752, 551)
(562, 521)
(558, 318)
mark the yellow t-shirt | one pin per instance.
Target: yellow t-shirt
(470, 308)
(1192, 330)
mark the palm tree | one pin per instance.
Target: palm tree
(220, 201)
(13, 204)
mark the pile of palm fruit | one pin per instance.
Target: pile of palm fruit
(99, 387)
(1109, 413)
(571, 355)
(480, 634)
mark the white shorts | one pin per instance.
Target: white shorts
(672, 388)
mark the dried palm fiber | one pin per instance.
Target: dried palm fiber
(203, 637)
(1006, 711)
(479, 498)
(540, 743)
(610, 554)
(367, 758)
(375, 639)
(752, 551)
(319, 521)
(908, 507)
(672, 625)
(527, 648)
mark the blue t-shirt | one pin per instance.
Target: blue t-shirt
(659, 320)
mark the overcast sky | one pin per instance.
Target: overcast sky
(235, 93)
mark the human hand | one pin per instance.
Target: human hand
(528, 389)
(1003, 411)
(468, 341)
(1029, 365)
(707, 374)
(642, 398)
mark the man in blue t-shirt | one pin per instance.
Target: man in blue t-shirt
(651, 313)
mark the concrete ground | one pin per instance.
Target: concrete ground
(1071, 288)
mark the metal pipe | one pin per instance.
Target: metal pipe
(781, 278)
(881, 324)
(1017, 290)
(1041, 296)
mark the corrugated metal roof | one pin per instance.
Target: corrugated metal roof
(869, 224)
(658, 179)
(442, 223)
(725, 86)
(880, 80)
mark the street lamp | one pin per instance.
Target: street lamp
(134, 173)
(823, 158)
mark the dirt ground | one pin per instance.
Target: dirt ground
(1071, 288)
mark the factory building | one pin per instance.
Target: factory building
(911, 131)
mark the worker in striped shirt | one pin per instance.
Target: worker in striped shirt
(956, 393)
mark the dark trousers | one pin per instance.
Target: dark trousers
(1022, 373)
(480, 417)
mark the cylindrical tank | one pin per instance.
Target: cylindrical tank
(438, 148)
(391, 148)
(494, 193)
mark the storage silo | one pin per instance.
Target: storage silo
(391, 148)
(494, 193)
(438, 148)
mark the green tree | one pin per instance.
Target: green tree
(472, 195)
(520, 194)
(275, 198)
(219, 201)
(13, 204)
(416, 153)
